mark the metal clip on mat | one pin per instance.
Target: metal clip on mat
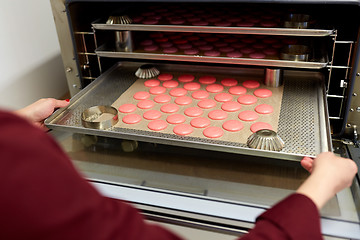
(91, 114)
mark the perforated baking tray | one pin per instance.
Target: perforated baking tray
(303, 123)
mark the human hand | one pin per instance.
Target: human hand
(329, 175)
(38, 111)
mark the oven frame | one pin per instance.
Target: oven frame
(179, 214)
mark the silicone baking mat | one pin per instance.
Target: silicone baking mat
(184, 86)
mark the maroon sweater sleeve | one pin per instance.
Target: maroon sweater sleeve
(44, 197)
(296, 218)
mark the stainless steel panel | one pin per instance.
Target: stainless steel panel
(66, 45)
(303, 117)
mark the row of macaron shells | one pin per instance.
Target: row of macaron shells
(208, 16)
(215, 45)
(181, 99)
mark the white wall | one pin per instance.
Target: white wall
(30, 61)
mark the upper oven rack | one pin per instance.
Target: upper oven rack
(105, 51)
(214, 29)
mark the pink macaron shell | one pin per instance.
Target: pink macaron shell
(257, 55)
(161, 39)
(200, 94)
(247, 99)
(207, 79)
(184, 46)
(157, 90)
(233, 125)
(231, 106)
(178, 92)
(234, 54)
(259, 46)
(237, 90)
(141, 95)
(152, 83)
(193, 112)
(186, 78)
(147, 42)
(151, 48)
(260, 126)
(162, 98)
(165, 76)
(199, 43)
(176, 119)
(157, 125)
(212, 53)
(213, 132)
(263, 93)
(170, 84)
(270, 51)
(127, 108)
(207, 103)
(131, 118)
(184, 100)
(247, 50)
(169, 108)
(264, 109)
(223, 97)
(177, 21)
(248, 116)
(192, 86)
(251, 84)
(145, 104)
(229, 82)
(214, 88)
(191, 51)
(217, 114)
(200, 122)
(170, 50)
(152, 114)
(183, 129)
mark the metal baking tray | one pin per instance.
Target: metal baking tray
(215, 29)
(303, 123)
(105, 51)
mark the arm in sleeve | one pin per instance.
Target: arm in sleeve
(296, 217)
(44, 197)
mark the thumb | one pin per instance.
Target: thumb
(61, 103)
(307, 163)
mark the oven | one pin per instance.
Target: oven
(167, 99)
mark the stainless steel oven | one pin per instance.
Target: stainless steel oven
(305, 53)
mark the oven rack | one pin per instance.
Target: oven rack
(215, 29)
(106, 51)
(303, 121)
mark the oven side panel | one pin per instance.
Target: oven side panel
(66, 45)
(354, 108)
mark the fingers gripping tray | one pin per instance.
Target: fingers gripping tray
(211, 108)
